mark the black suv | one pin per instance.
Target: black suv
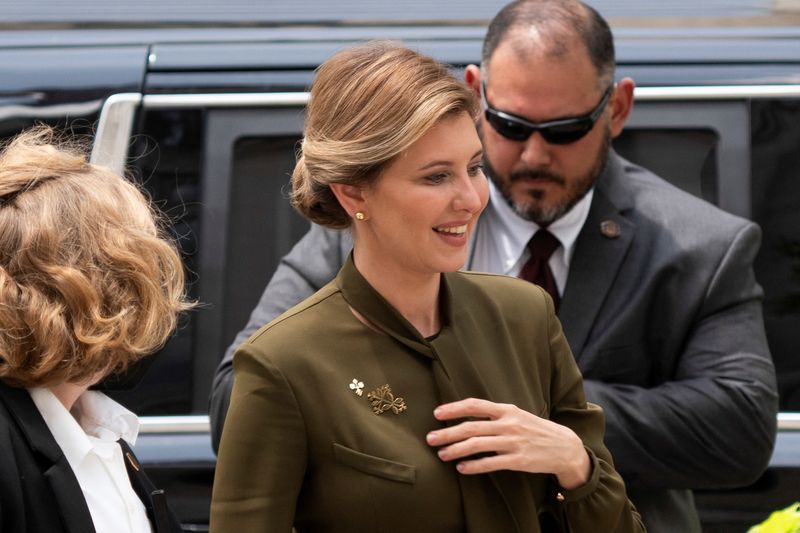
(204, 105)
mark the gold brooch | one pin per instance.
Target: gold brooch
(382, 399)
(357, 387)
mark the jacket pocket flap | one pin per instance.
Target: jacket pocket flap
(377, 466)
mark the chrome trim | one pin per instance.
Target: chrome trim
(153, 101)
(174, 424)
(114, 130)
(716, 92)
(710, 92)
(116, 118)
(78, 109)
(200, 423)
(788, 421)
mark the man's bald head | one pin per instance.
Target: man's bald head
(552, 27)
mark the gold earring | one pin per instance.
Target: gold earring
(360, 215)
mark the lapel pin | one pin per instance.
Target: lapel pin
(610, 229)
(382, 399)
(132, 460)
(357, 387)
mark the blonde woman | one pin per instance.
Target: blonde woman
(89, 285)
(405, 395)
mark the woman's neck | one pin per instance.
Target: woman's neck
(68, 393)
(414, 295)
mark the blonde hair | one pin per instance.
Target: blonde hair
(368, 104)
(89, 283)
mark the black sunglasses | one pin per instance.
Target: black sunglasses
(561, 131)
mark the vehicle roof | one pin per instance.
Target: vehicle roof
(246, 12)
(746, 41)
(684, 23)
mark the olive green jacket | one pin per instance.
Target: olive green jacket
(328, 417)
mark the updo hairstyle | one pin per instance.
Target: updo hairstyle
(368, 104)
(88, 281)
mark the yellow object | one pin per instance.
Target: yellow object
(783, 521)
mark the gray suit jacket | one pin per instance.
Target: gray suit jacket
(665, 323)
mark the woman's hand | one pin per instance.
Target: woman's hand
(515, 440)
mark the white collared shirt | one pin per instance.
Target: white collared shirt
(88, 437)
(501, 238)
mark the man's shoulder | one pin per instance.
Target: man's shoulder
(654, 199)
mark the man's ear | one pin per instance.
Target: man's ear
(621, 105)
(350, 197)
(472, 77)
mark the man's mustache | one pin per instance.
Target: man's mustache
(542, 175)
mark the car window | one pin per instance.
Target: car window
(222, 177)
(776, 208)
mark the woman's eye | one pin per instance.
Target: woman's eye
(476, 169)
(436, 178)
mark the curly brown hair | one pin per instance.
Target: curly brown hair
(89, 280)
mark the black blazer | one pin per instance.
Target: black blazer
(38, 490)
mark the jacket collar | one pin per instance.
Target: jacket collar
(362, 297)
(30, 422)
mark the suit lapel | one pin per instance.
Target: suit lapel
(599, 251)
(67, 492)
(154, 500)
(69, 498)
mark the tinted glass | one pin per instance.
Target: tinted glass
(686, 157)
(169, 158)
(262, 225)
(165, 159)
(776, 207)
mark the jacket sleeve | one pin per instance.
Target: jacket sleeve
(11, 503)
(601, 504)
(262, 455)
(714, 424)
(311, 263)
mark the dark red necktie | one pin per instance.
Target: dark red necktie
(537, 270)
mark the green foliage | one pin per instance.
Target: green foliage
(783, 521)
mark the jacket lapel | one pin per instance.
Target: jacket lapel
(67, 492)
(154, 500)
(69, 498)
(601, 246)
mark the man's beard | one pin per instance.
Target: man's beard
(533, 208)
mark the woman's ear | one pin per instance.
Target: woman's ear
(350, 197)
(621, 105)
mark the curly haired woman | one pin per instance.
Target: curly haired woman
(89, 285)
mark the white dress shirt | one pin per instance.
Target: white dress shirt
(88, 437)
(501, 238)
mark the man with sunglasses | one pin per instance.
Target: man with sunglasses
(655, 288)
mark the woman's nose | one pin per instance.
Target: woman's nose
(473, 194)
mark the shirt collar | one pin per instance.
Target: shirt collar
(95, 415)
(515, 231)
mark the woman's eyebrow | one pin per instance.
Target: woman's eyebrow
(445, 162)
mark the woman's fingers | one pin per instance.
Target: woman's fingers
(470, 408)
(506, 437)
